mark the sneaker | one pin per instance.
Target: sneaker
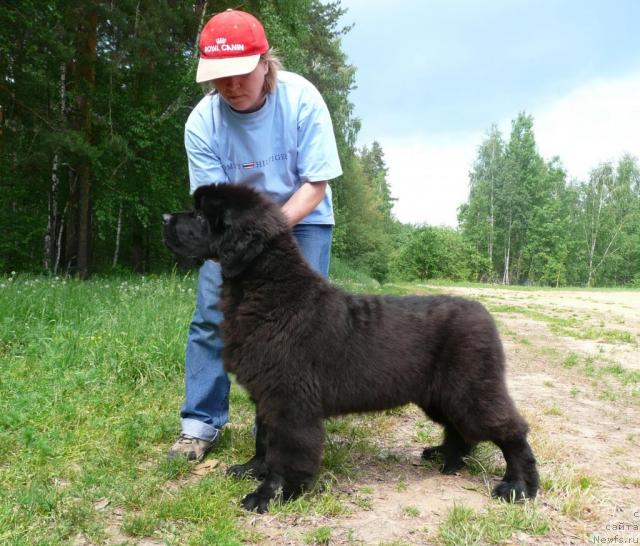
(193, 449)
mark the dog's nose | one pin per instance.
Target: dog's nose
(166, 218)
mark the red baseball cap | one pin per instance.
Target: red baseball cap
(230, 45)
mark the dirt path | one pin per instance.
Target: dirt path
(584, 409)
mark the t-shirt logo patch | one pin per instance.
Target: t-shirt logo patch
(258, 164)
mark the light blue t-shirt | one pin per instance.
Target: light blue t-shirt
(275, 149)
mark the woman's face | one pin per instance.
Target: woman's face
(244, 93)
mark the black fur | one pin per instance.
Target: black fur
(306, 350)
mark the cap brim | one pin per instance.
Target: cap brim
(212, 69)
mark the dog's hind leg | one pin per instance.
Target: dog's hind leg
(256, 467)
(501, 424)
(453, 448)
(521, 478)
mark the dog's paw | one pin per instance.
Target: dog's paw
(254, 502)
(451, 466)
(430, 453)
(256, 468)
(510, 491)
(291, 492)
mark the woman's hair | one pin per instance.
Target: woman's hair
(275, 64)
(271, 78)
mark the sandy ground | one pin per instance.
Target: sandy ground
(585, 432)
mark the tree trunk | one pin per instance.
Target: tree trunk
(71, 235)
(52, 216)
(78, 251)
(138, 251)
(118, 234)
(491, 209)
(507, 254)
(51, 251)
(594, 229)
(56, 263)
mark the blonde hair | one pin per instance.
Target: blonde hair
(271, 77)
(275, 64)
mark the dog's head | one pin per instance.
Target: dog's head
(230, 223)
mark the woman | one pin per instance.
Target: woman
(270, 129)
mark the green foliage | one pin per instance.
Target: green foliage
(608, 218)
(535, 228)
(130, 140)
(438, 252)
(365, 227)
(347, 276)
(478, 217)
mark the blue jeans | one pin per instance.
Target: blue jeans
(206, 406)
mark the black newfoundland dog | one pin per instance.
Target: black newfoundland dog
(306, 350)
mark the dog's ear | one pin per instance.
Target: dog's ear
(248, 226)
(210, 201)
(241, 243)
(198, 197)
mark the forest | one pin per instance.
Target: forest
(93, 100)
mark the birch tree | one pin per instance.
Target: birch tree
(518, 196)
(608, 202)
(478, 217)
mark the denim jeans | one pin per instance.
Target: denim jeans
(206, 406)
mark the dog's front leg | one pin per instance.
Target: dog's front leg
(293, 459)
(260, 498)
(256, 467)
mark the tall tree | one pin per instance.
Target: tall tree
(518, 195)
(83, 77)
(478, 217)
(547, 246)
(608, 202)
(375, 171)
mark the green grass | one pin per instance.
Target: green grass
(465, 526)
(347, 277)
(601, 369)
(524, 288)
(410, 511)
(321, 535)
(569, 492)
(89, 398)
(353, 280)
(570, 327)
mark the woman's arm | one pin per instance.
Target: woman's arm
(303, 201)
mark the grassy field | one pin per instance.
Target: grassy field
(90, 391)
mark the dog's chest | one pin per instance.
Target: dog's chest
(263, 348)
(252, 335)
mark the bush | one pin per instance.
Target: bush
(438, 252)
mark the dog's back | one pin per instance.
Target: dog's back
(388, 351)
